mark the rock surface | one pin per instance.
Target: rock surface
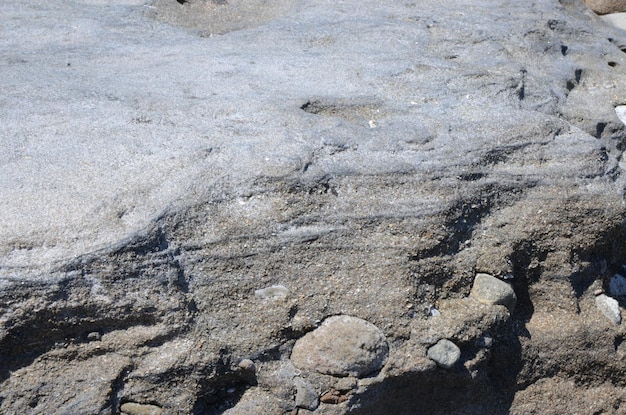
(162, 162)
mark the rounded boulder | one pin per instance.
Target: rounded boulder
(342, 346)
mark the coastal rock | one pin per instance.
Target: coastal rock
(342, 346)
(161, 161)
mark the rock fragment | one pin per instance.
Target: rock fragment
(445, 353)
(610, 308)
(342, 346)
(490, 290)
(132, 408)
(617, 285)
(306, 395)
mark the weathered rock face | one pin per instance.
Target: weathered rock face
(188, 190)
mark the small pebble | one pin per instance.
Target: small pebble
(132, 408)
(94, 336)
(433, 312)
(333, 397)
(610, 308)
(247, 365)
(445, 353)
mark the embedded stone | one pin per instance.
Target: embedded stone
(445, 353)
(610, 308)
(490, 290)
(342, 346)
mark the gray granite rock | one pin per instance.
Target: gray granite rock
(491, 290)
(342, 346)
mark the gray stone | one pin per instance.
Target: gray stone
(247, 365)
(490, 290)
(610, 308)
(306, 395)
(132, 408)
(617, 285)
(342, 346)
(445, 353)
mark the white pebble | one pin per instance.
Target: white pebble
(609, 307)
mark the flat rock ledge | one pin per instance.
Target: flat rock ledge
(342, 346)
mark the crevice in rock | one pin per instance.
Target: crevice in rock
(116, 388)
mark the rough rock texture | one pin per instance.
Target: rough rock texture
(606, 6)
(160, 163)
